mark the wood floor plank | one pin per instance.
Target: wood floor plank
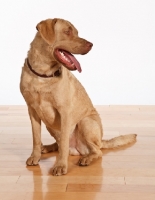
(20, 130)
(4, 109)
(75, 196)
(127, 123)
(110, 188)
(90, 196)
(15, 124)
(16, 161)
(38, 187)
(71, 180)
(8, 179)
(140, 180)
(76, 171)
(13, 195)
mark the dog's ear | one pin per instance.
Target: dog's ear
(46, 29)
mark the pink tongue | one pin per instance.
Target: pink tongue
(76, 63)
(74, 60)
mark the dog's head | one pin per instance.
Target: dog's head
(63, 37)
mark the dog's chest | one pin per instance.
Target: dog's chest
(45, 110)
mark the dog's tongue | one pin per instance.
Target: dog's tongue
(73, 60)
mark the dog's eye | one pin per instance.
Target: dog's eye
(67, 32)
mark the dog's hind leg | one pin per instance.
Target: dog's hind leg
(89, 139)
(51, 147)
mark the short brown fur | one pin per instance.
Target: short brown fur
(62, 102)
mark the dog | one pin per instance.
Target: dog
(55, 97)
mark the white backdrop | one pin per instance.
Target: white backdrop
(120, 69)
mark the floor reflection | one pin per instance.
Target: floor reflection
(78, 179)
(37, 183)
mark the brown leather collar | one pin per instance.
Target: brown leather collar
(55, 74)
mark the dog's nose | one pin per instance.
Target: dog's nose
(89, 44)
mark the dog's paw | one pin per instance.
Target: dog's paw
(44, 149)
(59, 170)
(49, 148)
(84, 161)
(33, 160)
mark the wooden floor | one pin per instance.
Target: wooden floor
(124, 174)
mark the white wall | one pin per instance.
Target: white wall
(120, 69)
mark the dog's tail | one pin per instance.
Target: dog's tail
(119, 141)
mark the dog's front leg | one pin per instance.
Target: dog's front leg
(36, 132)
(61, 165)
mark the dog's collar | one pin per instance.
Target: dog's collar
(55, 74)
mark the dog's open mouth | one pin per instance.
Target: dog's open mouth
(67, 59)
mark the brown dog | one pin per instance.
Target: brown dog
(54, 96)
